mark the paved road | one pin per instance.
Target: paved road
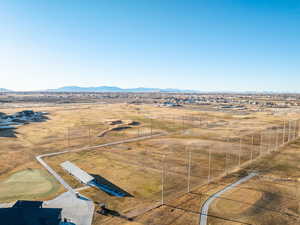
(79, 210)
(204, 210)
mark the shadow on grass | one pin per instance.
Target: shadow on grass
(108, 212)
(102, 181)
(8, 132)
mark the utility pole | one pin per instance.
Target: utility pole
(189, 170)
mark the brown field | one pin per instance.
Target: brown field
(198, 146)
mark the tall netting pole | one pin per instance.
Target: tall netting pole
(283, 132)
(226, 158)
(298, 194)
(289, 133)
(252, 146)
(189, 170)
(270, 142)
(240, 152)
(277, 138)
(295, 130)
(162, 179)
(151, 126)
(209, 164)
(298, 131)
(261, 144)
(68, 136)
(89, 130)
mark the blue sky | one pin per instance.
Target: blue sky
(224, 45)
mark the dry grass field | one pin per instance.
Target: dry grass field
(197, 146)
(271, 198)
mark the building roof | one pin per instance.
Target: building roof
(30, 216)
(78, 173)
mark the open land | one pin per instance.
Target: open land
(207, 142)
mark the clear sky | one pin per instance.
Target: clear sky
(209, 45)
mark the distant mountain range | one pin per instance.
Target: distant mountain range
(116, 89)
(4, 90)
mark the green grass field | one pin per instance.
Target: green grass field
(28, 184)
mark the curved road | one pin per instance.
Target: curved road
(204, 210)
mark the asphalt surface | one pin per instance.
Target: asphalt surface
(205, 207)
(77, 210)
